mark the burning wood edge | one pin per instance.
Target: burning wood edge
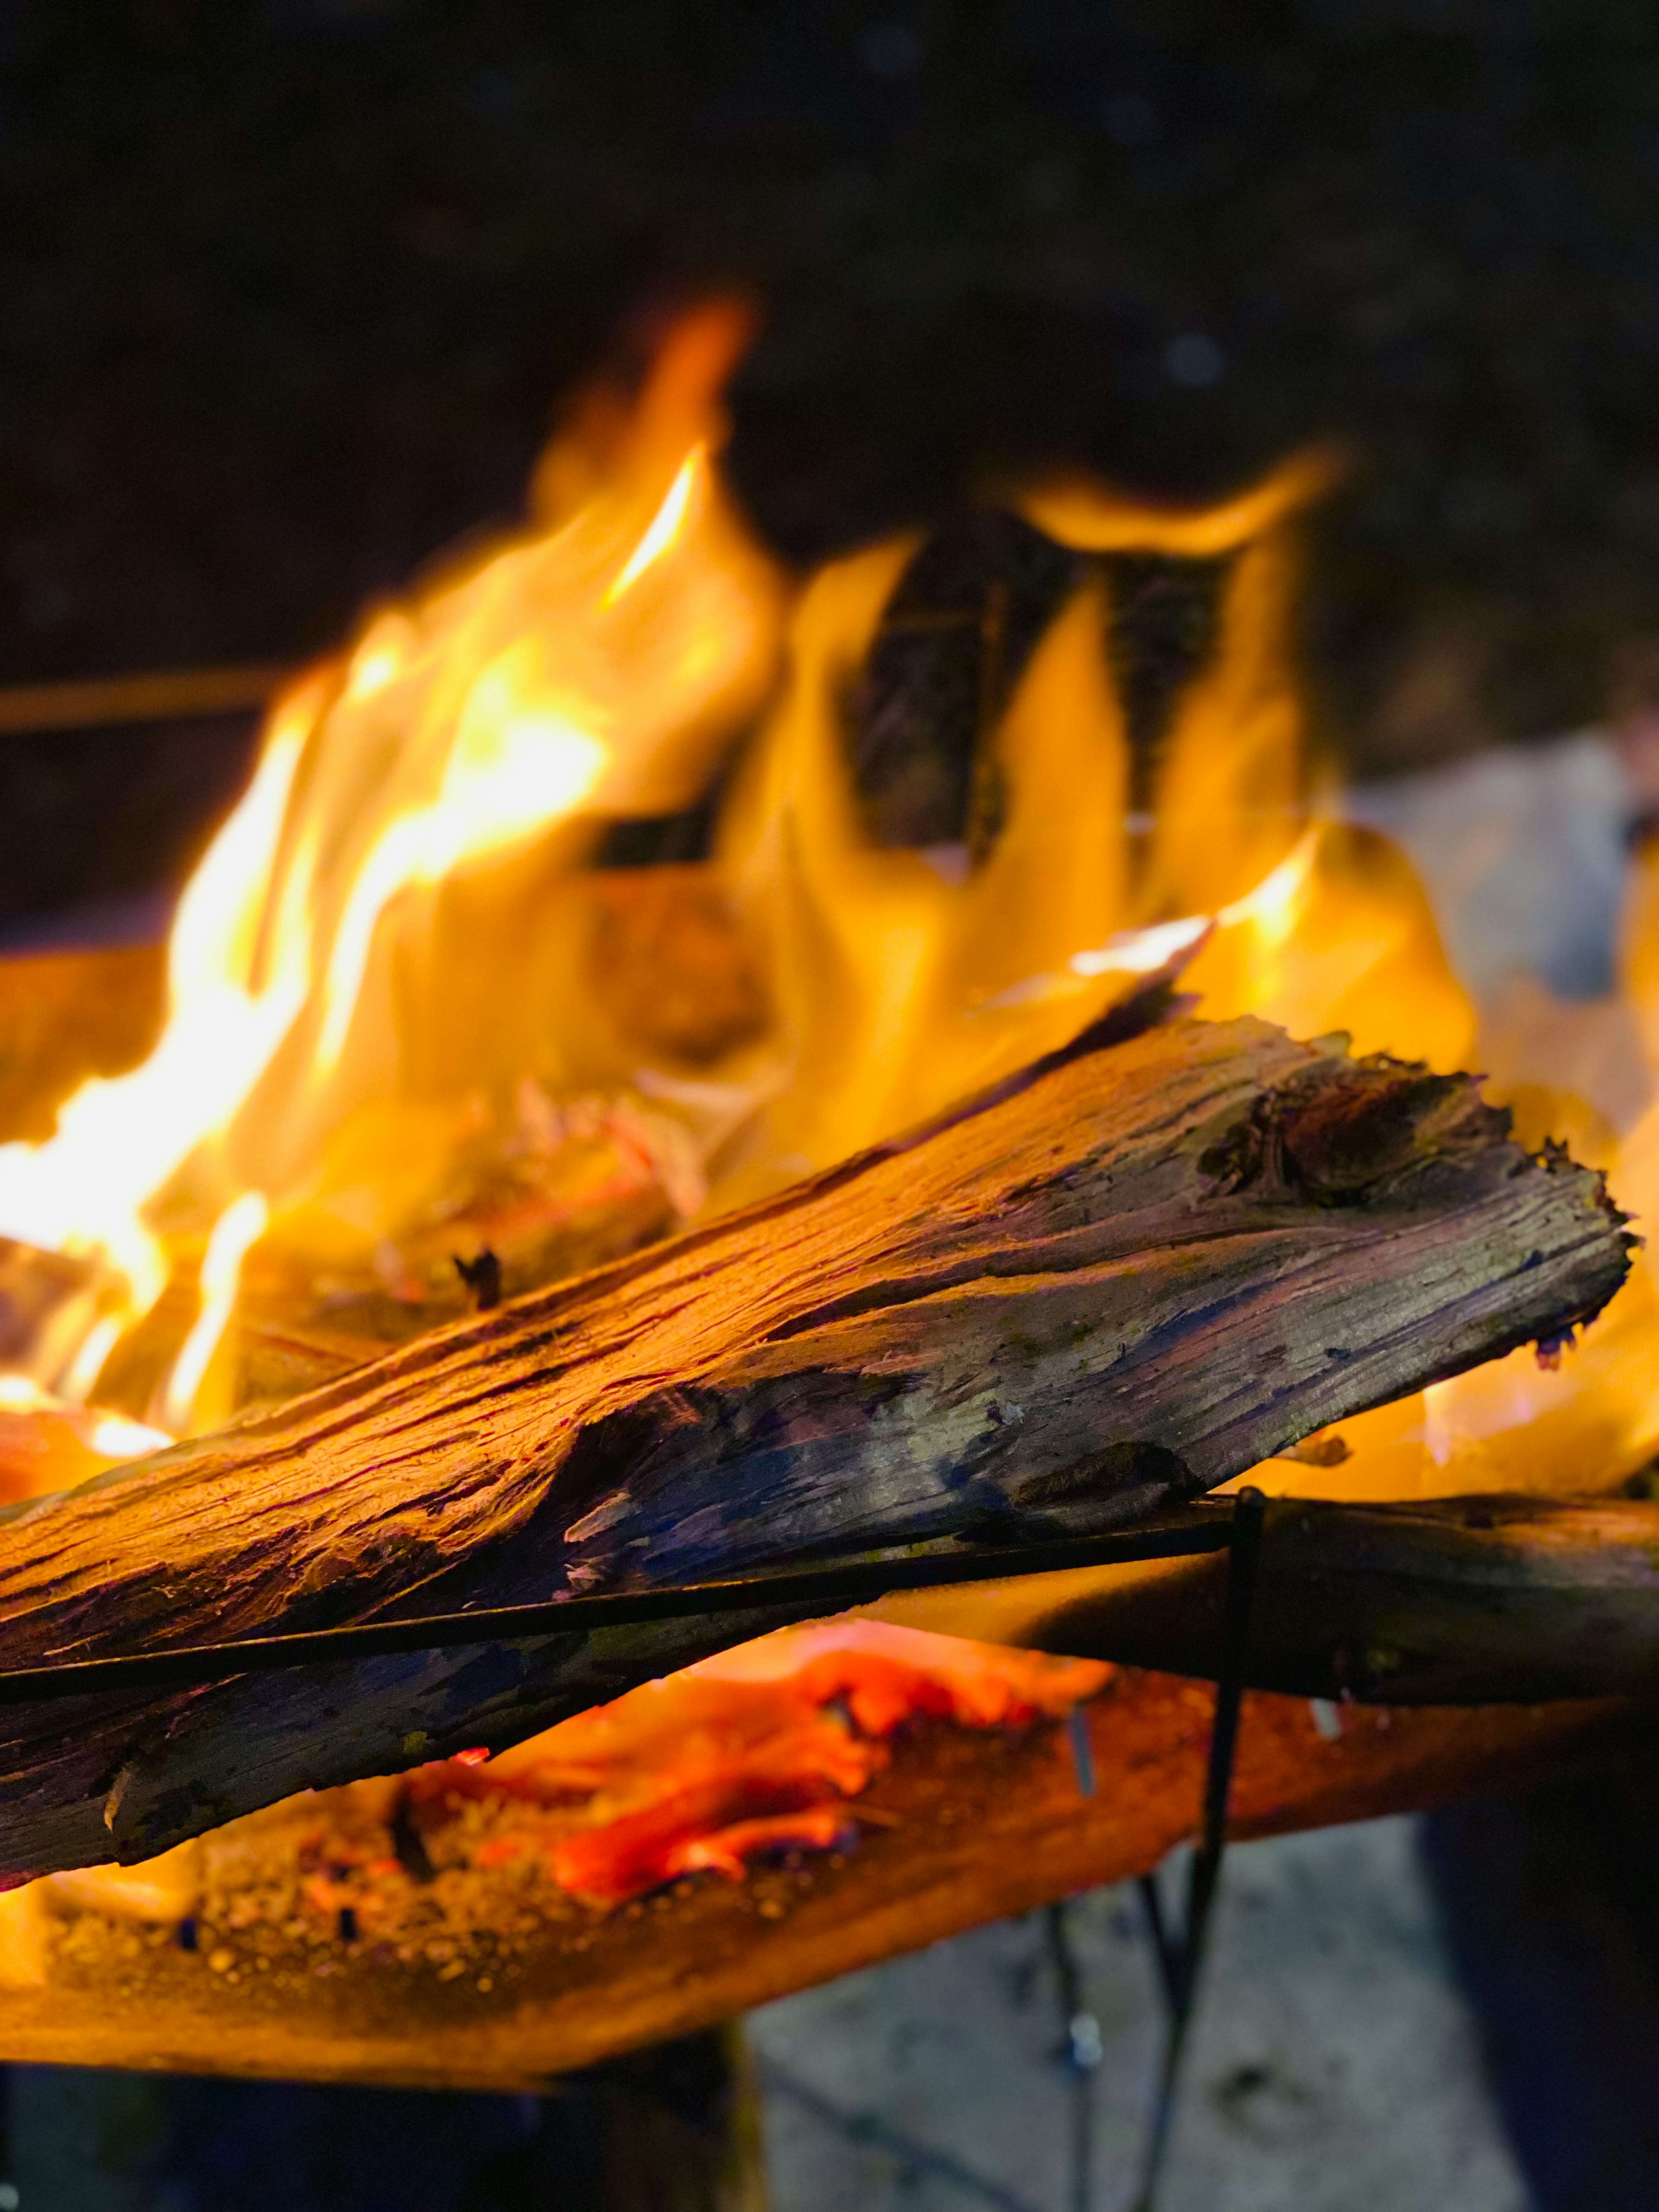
(1141, 1266)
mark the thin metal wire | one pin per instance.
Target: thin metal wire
(1181, 1955)
(1080, 2049)
(836, 1583)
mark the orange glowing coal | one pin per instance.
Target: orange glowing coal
(409, 1018)
(759, 1750)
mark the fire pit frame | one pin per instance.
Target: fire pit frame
(1180, 1951)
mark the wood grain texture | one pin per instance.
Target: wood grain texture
(1134, 1272)
(974, 1828)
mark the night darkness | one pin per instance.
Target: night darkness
(290, 291)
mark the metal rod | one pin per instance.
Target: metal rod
(161, 696)
(835, 1584)
(1081, 2050)
(1244, 1559)
(1166, 1941)
(1180, 1959)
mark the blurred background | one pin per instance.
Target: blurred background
(290, 291)
(289, 294)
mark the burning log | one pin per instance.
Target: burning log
(1110, 1284)
(1455, 1601)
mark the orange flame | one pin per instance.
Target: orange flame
(592, 670)
(375, 961)
(898, 990)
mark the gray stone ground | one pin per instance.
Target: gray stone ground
(1333, 2068)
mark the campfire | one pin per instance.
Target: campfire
(957, 800)
(667, 1074)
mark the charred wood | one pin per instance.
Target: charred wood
(1129, 1274)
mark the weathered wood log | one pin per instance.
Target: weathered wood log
(1454, 1601)
(1134, 1271)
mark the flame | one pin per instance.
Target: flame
(590, 669)
(237, 1229)
(665, 526)
(391, 1040)
(899, 989)
(48, 1445)
(118, 1140)
(512, 766)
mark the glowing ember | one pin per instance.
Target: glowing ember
(755, 1752)
(746, 1752)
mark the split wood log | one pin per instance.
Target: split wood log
(1136, 1269)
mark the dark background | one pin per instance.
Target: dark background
(289, 287)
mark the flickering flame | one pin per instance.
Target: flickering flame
(663, 528)
(899, 987)
(237, 1229)
(589, 669)
(118, 1141)
(512, 768)
(48, 1445)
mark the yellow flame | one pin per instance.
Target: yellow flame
(513, 768)
(898, 989)
(112, 1437)
(119, 1140)
(381, 655)
(108, 1436)
(594, 667)
(235, 1234)
(663, 528)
